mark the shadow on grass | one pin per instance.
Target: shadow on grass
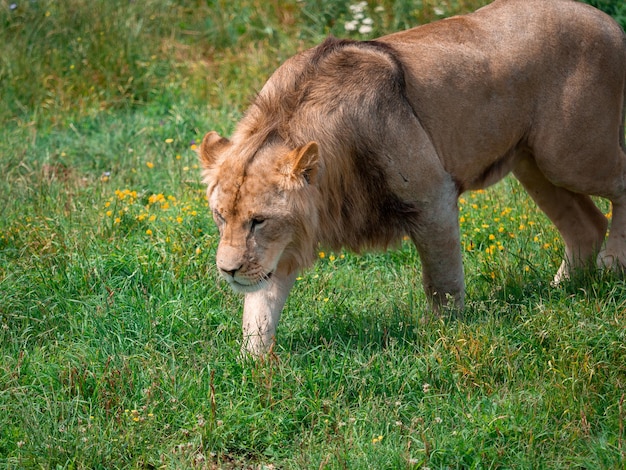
(410, 320)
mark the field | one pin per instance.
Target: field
(119, 345)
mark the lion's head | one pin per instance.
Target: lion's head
(263, 201)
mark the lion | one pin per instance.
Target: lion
(356, 145)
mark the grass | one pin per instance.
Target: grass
(119, 346)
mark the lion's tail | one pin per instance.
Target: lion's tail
(622, 136)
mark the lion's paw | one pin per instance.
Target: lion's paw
(609, 260)
(561, 275)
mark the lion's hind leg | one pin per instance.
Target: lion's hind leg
(613, 255)
(581, 224)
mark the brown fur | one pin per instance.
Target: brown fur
(356, 144)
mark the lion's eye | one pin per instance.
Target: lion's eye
(218, 217)
(257, 222)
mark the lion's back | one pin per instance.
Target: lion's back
(483, 82)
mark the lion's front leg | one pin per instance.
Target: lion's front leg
(439, 246)
(261, 312)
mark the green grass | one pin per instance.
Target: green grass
(119, 346)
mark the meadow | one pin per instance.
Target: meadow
(119, 345)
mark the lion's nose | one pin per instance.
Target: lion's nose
(229, 259)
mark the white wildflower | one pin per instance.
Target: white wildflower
(358, 7)
(361, 23)
(351, 25)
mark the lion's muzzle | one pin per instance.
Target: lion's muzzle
(243, 277)
(244, 283)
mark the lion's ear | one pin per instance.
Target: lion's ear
(302, 164)
(210, 148)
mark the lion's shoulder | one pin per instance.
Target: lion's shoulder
(338, 82)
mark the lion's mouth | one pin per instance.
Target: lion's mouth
(252, 286)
